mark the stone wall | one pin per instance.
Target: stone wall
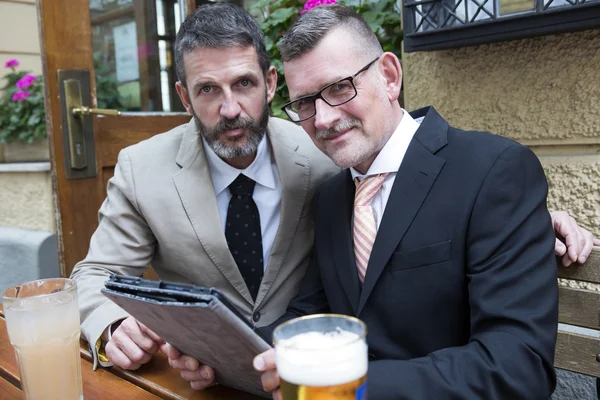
(543, 92)
(26, 197)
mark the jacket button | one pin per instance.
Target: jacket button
(256, 316)
(372, 357)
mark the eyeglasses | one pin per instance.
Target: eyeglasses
(335, 94)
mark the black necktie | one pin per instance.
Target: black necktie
(242, 231)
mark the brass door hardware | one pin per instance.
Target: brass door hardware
(97, 111)
(77, 126)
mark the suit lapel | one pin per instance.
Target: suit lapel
(414, 179)
(195, 188)
(341, 238)
(294, 177)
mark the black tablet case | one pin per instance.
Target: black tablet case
(197, 321)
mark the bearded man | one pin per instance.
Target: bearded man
(223, 201)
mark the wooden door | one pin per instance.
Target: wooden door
(125, 45)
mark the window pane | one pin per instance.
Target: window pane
(132, 43)
(516, 6)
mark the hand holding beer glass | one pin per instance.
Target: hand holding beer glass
(42, 319)
(322, 357)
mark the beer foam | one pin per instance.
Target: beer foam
(321, 359)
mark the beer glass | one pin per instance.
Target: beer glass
(322, 357)
(42, 320)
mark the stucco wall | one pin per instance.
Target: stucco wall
(574, 185)
(25, 197)
(26, 200)
(543, 92)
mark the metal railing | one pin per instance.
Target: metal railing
(436, 15)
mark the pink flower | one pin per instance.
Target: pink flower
(11, 63)
(25, 81)
(20, 95)
(314, 3)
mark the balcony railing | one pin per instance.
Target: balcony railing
(440, 24)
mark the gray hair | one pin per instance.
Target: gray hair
(308, 31)
(219, 25)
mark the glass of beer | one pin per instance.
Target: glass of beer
(322, 357)
(42, 319)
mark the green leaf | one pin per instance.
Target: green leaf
(40, 131)
(380, 6)
(33, 120)
(276, 105)
(269, 43)
(282, 15)
(373, 18)
(260, 4)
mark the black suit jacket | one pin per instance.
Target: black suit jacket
(460, 295)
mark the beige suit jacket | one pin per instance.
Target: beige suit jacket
(161, 210)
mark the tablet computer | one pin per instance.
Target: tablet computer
(199, 322)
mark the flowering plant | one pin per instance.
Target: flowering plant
(22, 114)
(313, 3)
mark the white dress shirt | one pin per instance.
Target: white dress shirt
(267, 191)
(388, 161)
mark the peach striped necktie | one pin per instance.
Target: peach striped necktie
(365, 227)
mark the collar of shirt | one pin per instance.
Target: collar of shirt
(390, 157)
(223, 174)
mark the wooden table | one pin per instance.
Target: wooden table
(155, 380)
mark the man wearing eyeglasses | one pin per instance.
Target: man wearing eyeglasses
(439, 239)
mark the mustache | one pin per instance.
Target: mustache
(340, 126)
(231, 124)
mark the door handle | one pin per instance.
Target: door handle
(77, 126)
(80, 111)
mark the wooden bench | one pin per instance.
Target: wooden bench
(579, 307)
